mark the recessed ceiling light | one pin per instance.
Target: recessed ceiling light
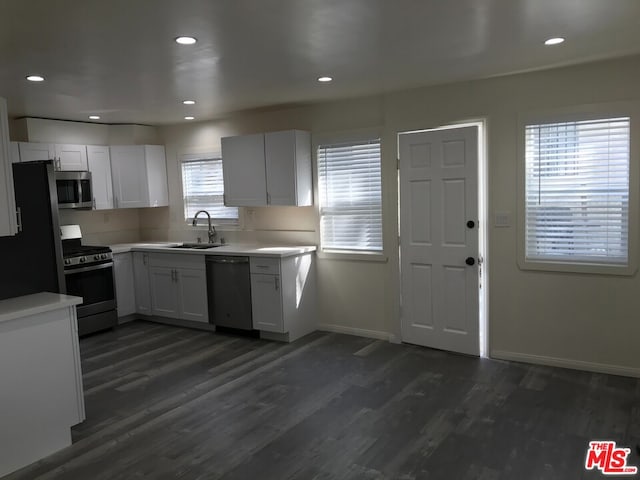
(324, 79)
(554, 41)
(94, 117)
(35, 78)
(189, 102)
(186, 40)
(189, 118)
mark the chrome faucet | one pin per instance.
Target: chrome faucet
(213, 235)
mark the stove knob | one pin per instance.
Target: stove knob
(96, 257)
(82, 259)
(103, 256)
(67, 261)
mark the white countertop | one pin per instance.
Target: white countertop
(278, 251)
(28, 305)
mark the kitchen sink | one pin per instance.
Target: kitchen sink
(199, 246)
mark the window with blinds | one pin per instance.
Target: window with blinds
(350, 194)
(203, 189)
(577, 191)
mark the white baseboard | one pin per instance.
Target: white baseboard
(566, 363)
(360, 332)
(394, 338)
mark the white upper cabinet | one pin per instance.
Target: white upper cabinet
(8, 220)
(65, 156)
(244, 170)
(268, 169)
(157, 175)
(288, 168)
(30, 151)
(99, 164)
(70, 157)
(139, 176)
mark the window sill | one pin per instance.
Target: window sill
(353, 256)
(586, 268)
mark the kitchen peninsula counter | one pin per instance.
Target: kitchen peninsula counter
(42, 396)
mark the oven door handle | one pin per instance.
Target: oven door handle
(88, 269)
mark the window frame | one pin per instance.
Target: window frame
(569, 114)
(202, 221)
(337, 138)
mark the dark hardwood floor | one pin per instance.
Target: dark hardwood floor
(170, 403)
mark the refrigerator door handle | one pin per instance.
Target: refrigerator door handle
(19, 219)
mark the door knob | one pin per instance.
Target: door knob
(471, 224)
(470, 261)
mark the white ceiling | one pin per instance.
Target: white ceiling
(117, 58)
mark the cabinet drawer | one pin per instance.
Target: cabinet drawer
(265, 265)
(176, 260)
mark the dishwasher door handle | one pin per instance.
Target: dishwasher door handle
(228, 260)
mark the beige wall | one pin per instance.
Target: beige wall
(565, 319)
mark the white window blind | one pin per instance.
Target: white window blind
(577, 191)
(203, 189)
(350, 193)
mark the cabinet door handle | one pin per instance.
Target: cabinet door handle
(19, 219)
(277, 282)
(144, 259)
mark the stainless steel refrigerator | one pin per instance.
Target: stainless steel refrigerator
(31, 261)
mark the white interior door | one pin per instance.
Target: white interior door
(438, 202)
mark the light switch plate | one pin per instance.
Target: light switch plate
(502, 219)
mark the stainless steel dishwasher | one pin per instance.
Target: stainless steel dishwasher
(229, 291)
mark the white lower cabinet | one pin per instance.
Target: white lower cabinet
(178, 287)
(141, 280)
(283, 291)
(266, 303)
(283, 296)
(164, 292)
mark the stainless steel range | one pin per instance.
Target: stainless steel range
(88, 272)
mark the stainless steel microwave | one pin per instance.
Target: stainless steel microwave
(74, 189)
